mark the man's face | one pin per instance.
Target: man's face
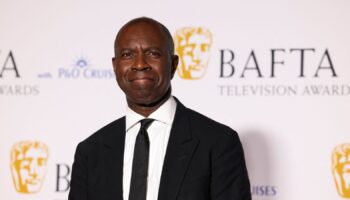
(30, 168)
(143, 64)
(193, 46)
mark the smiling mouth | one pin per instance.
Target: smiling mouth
(141, 80)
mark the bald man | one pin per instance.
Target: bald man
(178, 155)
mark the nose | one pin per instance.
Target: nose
(140, 63)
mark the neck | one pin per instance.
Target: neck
(147, 109)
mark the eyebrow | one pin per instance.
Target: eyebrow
(153, 48)
(145, 49)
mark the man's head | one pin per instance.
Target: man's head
(341, 169)
(144, 62)
(193, 46)
(28, 165)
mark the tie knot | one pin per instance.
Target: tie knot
(145, 123)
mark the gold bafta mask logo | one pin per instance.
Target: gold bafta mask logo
(193, 44)
(341, 169)
(28, 165)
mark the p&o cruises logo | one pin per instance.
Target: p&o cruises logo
(28, 165)
(81, 68)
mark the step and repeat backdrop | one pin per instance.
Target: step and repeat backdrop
(278, 72)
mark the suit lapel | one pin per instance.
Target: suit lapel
(113, 149)
(181, 147)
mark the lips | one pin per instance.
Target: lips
(140, 77)
(136, 79)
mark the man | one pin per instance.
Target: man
(185, 154)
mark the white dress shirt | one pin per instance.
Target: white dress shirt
(158, 133)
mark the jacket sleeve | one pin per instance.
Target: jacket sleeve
(78, 183)
(229, 179)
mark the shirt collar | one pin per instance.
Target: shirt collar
(165, 114)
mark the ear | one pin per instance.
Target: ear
(114, 66)
(174, 63)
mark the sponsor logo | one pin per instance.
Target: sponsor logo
(192, 45)
(341, 169)
(28, 165)
(80, 69)
(263, 190)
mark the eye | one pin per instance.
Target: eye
(154, 53)
(126, 54)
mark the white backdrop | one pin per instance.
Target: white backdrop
(288, 135)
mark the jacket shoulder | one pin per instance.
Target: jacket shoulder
(204, 125)
(96, 138)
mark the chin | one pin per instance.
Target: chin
(142, 100)
(146, 101)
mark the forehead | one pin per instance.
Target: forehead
(145, 33)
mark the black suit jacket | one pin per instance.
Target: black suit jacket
(204, 160)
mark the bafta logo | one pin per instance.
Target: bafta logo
(193, 47)
(28, 165)
(341, 169)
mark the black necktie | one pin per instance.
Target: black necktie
(138, 183)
